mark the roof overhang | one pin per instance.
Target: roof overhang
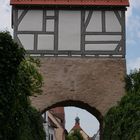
(72, 2)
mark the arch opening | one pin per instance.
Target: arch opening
(92, 110)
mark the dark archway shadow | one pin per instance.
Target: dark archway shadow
(81, 105)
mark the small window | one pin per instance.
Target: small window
(51, 136)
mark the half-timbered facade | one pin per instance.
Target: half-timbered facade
(59, 28)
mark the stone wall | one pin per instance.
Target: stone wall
(98, 82)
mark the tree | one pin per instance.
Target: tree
(19, 79)
(75, 135)
(133, 82)
(122, 122)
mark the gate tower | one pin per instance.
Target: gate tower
(81, 46)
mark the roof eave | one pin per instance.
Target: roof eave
(31, 3)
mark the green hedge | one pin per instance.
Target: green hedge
(122, 122)
(19, 79)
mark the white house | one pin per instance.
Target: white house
(54, 124)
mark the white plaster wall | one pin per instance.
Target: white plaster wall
(58, 132)
(84, 135)
(86, 14)
(69, 30)
(48, 129)
(32, 21)
(27, 41)
(95, 24)
(19, 13)
(120, 13)
(112, 23)
(50, 13)
(103, 37)
(100, 47)
(45, 42)
(46, 125)
(50, 25)
(52, 132)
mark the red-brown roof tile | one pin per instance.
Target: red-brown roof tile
(72, 2)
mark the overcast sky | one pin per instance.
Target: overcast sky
(132, 57)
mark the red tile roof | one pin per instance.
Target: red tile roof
(72, 2)
(60, 113)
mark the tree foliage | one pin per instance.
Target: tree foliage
(122, 122)
(75, 135)
(133, 82)
(19, 79)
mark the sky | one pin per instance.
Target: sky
(132, 56)
(133, 35)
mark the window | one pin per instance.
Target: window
(51, 136)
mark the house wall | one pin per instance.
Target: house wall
(51, 134)
(84, 135)
(59, 131)
(46, 124)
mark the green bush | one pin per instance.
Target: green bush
(122, 122)
(19, 78)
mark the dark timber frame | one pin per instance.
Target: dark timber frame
(118, 52)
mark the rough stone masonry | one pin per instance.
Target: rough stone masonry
(98, 82)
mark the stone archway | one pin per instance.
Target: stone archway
(79, 104)
(99, 82)
(84, 106)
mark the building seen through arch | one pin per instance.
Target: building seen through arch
(56, 128)
(54, 123)
(77, 127)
